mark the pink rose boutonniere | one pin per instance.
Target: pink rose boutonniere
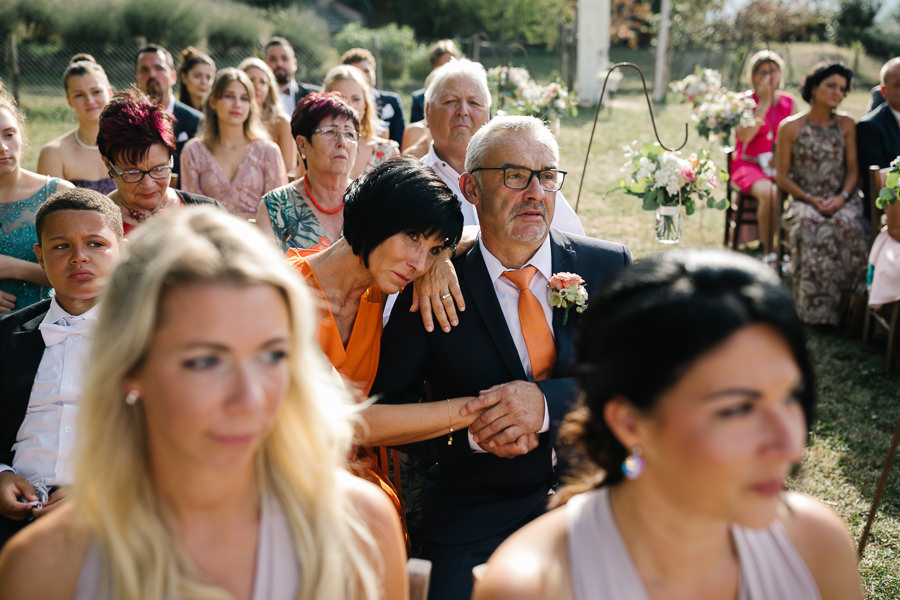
(567, 290)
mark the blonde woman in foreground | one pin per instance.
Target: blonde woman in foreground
(683, 488)
(214, 440)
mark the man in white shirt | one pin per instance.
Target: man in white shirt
(279, 55)
(44, 350)
(487, 481)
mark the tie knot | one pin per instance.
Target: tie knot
(521, 277)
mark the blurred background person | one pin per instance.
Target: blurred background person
(442, 52)
(215, 419)
(137, 143)
(753, 166)
(681, 491)
(390, 110)
(308, 212)
(272, 115)
(279, 55)
(74, 156)
(816, 165)
(878, 132)
(22, 281)
(371, 150)
(233, 160)
(196, 70)
(884, 261)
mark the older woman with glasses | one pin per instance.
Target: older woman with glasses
(137, 144)
(308, 213)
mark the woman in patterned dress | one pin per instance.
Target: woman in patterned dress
(816, 165)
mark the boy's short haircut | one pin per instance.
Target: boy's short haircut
(80, 199)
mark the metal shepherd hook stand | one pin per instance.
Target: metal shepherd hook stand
(597, 116)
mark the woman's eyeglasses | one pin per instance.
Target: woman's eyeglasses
(331, 134)
(137, 175)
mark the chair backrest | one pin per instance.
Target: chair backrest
(876, 182)
(418, 572)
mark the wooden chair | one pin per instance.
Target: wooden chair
(740, 211)
(781, 248)
(418, 572)
(888, 317)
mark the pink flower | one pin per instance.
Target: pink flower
(688, 175)
(560, 281)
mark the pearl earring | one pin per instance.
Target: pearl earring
(131, 397)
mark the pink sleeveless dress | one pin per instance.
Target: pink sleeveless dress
(771, 568)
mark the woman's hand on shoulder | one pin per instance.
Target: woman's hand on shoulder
(822, 539)
(44, 560)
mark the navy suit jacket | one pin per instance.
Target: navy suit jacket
(467, 495)
(417, 112)
(877, 142)
(303, 89)
(393, 115)
(187, 121)
(21, 350)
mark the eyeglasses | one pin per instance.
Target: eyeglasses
(519, 178)
(331, 134)
(137, 175)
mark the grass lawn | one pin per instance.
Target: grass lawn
(858, 402)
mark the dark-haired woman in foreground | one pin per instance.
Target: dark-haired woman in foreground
(698, 393)
(816, 165)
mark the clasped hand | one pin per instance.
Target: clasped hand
(437, 294)
(828, 206)
(511, 416)
(13, 487)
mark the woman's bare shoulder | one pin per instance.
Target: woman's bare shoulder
(532, 564)
(822, 540)
(44, 559)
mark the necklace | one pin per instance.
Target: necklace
(140, 216)
(316, 204)
(82, 144)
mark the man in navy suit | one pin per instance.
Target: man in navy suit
(279, 55)
(485, 482)
(442, 52)
(43, 351)
(155, 75)
(878, 133)
(389, 108)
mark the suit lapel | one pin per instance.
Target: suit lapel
(484, 298)
(891, 127)
(563, 260)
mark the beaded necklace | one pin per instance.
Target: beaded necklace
(316, 204)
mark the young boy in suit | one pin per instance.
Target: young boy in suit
(44, 350)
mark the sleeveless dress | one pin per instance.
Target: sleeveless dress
(745, 169)
(104, 186)
(293, 221)
(17, 239)
(601, 568)
(828, 253)
(276, 576)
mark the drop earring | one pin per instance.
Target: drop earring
(633, 465)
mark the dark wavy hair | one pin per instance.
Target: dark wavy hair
(401, 194)
(646, 328)
(820, 73)
(130, 124)
(191, 57)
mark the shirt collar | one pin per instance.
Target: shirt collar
(57, 313)
(290, 89)
(171, 108)
(896, 113)
(542, 260)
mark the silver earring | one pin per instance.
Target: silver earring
(131, 397)
(633, 465)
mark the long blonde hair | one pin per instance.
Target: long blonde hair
(253, 129)
(299, 462)
(271, 106)
(368, 121)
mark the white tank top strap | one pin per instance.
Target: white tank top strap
(771, 567)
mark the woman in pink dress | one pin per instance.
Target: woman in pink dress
(753, 168)
(233, 161)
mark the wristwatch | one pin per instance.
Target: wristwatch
(845, 195)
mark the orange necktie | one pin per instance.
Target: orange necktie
(538, 337)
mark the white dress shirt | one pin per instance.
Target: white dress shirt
(46, 437)
(564, 218)
(508, 297)
(286, 95)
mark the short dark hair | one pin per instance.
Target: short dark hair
(277, 40)
(441, 49)
(153, 48)
(314, 108)
(130, 124)
(355, 55)
(696, 299)
(80, 199)
(401, 194)
(820, 73)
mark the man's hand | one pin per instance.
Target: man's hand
(7, 302)
(509, 412)
(437, 293)
(13, 487)
(522, 445)
(52, 503)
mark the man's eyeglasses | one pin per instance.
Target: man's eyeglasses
(137, 175)
(519, 178)
(331, 134)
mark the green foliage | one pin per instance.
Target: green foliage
(392, 46)
(308, 35)
(883, 39)
(172, 23)
(234, 26)
(94, 22)
(39, 21)
(853, 19)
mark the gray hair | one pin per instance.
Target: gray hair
(501, 127)
(458, 69)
